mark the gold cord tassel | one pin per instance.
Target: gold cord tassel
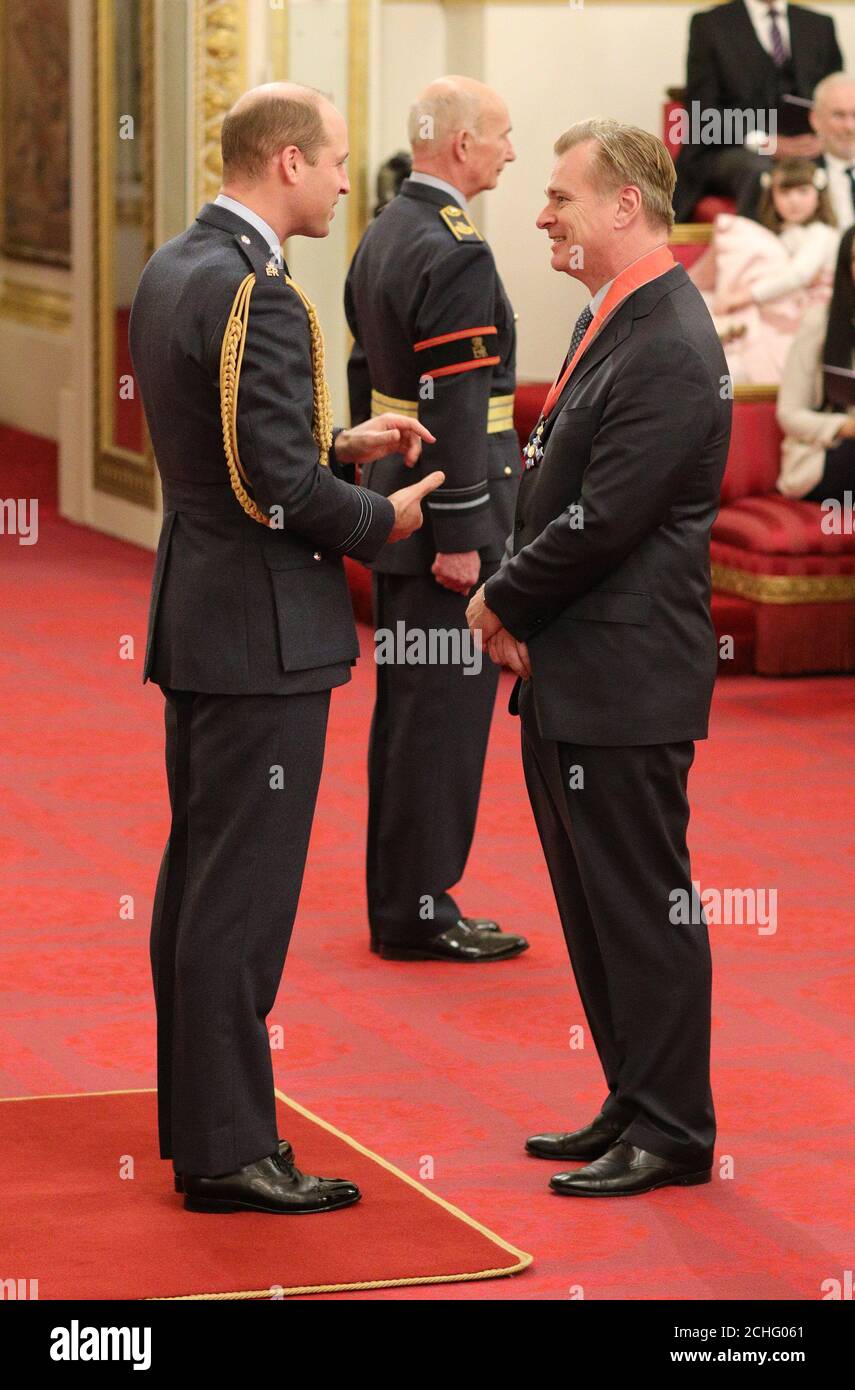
(231, 360)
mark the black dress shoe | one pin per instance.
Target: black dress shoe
(627, 1171)
(459, 942)
(580, 1145)
(273, 1184)
(481, 923)
(284, 1148)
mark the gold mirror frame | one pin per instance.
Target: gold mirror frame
(122, 472)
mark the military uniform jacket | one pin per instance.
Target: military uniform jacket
(433, 325)
(609, 583)
(238, 607)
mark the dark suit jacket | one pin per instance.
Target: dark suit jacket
(237, 607)
(411, 282)
(727, 67)
(616, 614)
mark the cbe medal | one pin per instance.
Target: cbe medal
(533, 451)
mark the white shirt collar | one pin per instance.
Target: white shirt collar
(241, 210)
(600, 296)
(761, 9)
(433, 182)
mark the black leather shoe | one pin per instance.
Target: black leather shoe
(481, 923)
(459, 942)
(627, 1171)
(284, 1149)
(581, 1145)
(271, 1184)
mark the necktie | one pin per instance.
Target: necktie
(533, 451)
(582, 324)
(779, 53)
(850, 174)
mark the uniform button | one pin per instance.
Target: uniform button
(317, 555)
(508, 471)
(518, 525)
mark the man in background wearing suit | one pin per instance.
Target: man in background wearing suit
(603, 611)
(434, 337)
(250, 628)
(746, 56)
(833, 119)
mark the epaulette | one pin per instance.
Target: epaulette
(458, 223)
(231, 360)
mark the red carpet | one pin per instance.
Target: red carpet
(443, 1068)
(101, 1225)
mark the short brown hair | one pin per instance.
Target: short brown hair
(625, 154)
(794, 173)
(255, 131)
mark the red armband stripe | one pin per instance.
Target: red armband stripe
(453, 337)
(463, 367)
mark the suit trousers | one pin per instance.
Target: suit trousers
(614, 837)
(243, 773)
(426, 755)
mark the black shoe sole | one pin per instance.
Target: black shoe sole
(685, 1180)
(219, 1205)
(413, 953)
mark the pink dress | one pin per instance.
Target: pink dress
(785, 274)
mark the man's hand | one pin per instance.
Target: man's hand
(481, 618)
(796, 147)
(382, 435)
(407, 502)
(457, 570)
(505, 650)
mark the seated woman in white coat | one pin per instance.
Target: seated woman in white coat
(818, 452)
(759, 278)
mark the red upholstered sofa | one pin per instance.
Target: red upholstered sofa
(772, 552)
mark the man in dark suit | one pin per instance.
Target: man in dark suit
(746, 56)
(603, 611)
(250, 628)
(434, 337)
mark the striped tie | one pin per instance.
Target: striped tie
(779, 53)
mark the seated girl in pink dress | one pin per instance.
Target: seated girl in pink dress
(759, 278)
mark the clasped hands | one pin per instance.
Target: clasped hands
(502, 647)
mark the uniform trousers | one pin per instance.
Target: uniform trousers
(243, 774)
(427, 746)
(614, 838)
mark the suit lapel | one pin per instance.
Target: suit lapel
(619, 326)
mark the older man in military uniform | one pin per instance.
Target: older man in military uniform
(250, 628)
(434, 338)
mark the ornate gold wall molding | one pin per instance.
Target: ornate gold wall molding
(358, 76)
(220, 77)
(120, 471)
(35, 306)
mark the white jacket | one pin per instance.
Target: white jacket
(808, 431)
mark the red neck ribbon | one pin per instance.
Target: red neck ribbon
(630, 279)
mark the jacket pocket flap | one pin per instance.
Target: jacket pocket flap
(611, 606)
